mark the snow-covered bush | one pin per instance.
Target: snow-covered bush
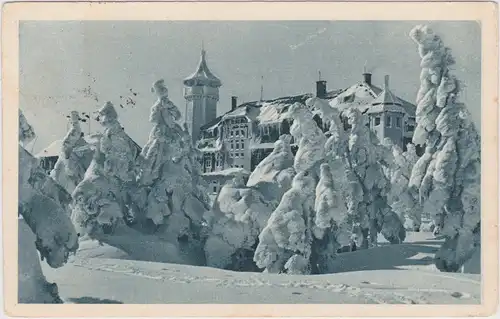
(171, 199)
(240, 212)
(235, 221)
(104, 197)
(71, 166)
(448, 174)
(43, 210)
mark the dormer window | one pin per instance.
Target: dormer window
(377, 120)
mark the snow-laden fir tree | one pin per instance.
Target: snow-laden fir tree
(103, 199)
(402, 198)
(331, 228)
(234, 223)
(367, 183)
(448, 175)
(273, 175)
(42, 208)
(285, 244)
(171, 202)
(71, 163)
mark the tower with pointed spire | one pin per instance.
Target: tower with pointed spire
(201, 91)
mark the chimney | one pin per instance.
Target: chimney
(367, 78)
(386, 82)
(234, 102)
(320, 87)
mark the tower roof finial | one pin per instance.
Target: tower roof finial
(202, 73)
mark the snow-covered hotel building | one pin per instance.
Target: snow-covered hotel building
(239, 139)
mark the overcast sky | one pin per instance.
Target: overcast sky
(59, 60)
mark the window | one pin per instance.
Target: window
(377, 120)
(232, 133)
(215, 189)
(237, 146)
(231, 155)
(208, 163)
(388, 121)
(243, 133)
(237, 133)
(237, 155)
(232, 146)
(242, 155)
(398, 122)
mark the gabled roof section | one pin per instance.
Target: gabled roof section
(212, 124)
(202, 75)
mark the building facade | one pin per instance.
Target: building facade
(239, 139)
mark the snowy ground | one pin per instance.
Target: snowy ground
(388, 274)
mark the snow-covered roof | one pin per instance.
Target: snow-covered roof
(228, 172)
(54, 149)
(248, 111)
(362, 96)
(202, 74)
(358, 96)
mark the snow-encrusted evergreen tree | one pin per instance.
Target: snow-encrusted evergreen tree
(285, 244)
(273, 175)
(332, 228)
(71, 166)
(103, 199)
(448, 175)
(368, 185)
(170, 201)
(402, 198)
(42, 208)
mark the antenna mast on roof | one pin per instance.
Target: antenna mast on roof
(261, 89)
(319, 75)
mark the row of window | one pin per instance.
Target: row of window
(237, 166)
(237, 145)
(237, 133)
(388, 121)
(237, 120)
(236, 155)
